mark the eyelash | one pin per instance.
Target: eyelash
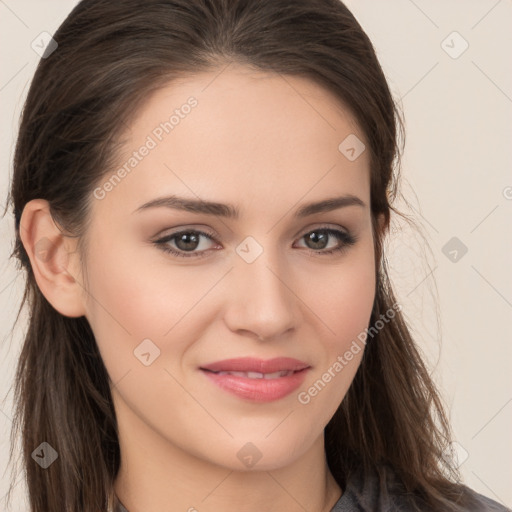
(345, 237)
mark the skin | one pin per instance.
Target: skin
(267, 144)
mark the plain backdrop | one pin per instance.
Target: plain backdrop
(446, 62)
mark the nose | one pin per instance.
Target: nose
(262, 302)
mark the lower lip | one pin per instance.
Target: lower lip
(258, 390)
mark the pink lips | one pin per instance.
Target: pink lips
(250, 364)
(254, 387)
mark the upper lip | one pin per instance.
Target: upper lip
(251, 364)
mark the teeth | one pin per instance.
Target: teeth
(258, 375)
(275, 375)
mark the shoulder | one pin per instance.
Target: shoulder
(383, 492)
(483, 503)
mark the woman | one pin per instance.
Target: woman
(202, 192)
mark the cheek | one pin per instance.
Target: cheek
(130, 300)
(343, 305)
(344, 294)
(346, 310)
(356, 294)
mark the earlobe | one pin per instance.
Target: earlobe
(53, 259)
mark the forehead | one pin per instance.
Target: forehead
(235, 134)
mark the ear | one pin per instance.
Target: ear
(54, 259)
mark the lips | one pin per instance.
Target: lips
(257, 380)
(257, 375)
(250, 364)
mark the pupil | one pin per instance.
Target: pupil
(187, 245)
(318, 239)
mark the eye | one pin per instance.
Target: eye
(185, 242)
(319, 239)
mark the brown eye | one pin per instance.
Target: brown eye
(318, 239)
(185, 242)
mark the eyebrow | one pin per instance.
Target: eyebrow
(232, 212)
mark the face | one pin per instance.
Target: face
(172, 291)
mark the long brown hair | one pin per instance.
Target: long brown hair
(110, 56)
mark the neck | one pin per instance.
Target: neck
(157, 476)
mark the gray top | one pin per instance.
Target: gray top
(369, 496)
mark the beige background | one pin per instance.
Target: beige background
(456, 171)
